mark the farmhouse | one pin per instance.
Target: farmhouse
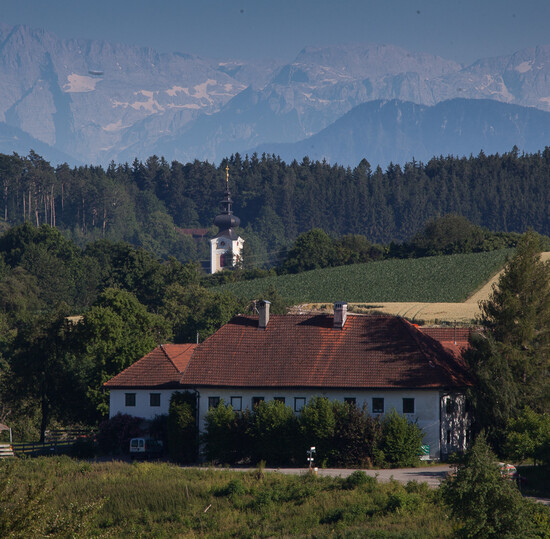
(383, 362)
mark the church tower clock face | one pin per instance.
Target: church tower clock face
(226, 246)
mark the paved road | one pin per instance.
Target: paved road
(432, 475)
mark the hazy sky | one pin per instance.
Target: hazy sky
(462, 30)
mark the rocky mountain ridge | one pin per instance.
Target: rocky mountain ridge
(97, 101)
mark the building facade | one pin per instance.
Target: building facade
(382, 362)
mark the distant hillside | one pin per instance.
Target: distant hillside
(433, 279)
(396, 131)
(96, 101)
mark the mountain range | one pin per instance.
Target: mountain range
(85, 101)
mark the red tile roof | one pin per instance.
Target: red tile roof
(454, 339)
(160, 368)
(305, 351)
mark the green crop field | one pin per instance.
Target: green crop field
(449, 278)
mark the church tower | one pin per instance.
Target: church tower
(226, 246)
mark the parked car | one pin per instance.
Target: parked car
(145, 448)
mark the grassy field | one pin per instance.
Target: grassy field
(75, 498)
(434, 279)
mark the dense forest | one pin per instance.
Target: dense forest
(146, 203)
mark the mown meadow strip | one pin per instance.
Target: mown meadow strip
(450, 278)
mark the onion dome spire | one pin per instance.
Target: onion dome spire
(226, 221)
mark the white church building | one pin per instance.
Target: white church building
(226, 247)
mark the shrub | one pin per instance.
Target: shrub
(234, 487)
(158, 428)
(487, 504)
(83, 448)
(275, 434)
(402, 440)
(317, 422)
(356, 436)
(528, 436)
(401, 501)
(358, 479)
(114, 434)
(182, 428)
(226, 436)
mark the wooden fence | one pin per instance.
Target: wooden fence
(35, 449)
(57, 442)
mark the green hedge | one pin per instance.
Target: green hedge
(342, 434)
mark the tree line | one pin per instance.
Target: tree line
(145, 203)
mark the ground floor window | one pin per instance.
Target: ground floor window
(154, 399)
(377, 405)
(130, 399)
(256, 401)
(279, 399)
(408, 406)
(213, 402)
(350, 400)
(299, 403)
(237, 403)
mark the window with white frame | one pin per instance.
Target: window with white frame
(299, 403)
(237, 403)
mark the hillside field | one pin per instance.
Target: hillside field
(449, 279)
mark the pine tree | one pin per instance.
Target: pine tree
(510, 360)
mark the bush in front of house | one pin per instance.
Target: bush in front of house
(342, 433)
(114, 434)
(182, 427)
(357, 436)
(401, 440)
(275, 434)
(227, 437)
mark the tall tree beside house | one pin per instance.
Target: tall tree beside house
(113, 334)
(45, 373)
(511, 359)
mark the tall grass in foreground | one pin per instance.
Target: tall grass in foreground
(162, 500)
(450, 278)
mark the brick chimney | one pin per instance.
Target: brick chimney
(340, 314)
(263, 311)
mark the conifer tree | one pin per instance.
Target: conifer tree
(511, 359)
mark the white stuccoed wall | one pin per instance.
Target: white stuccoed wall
(427, 406)
(117, 401)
